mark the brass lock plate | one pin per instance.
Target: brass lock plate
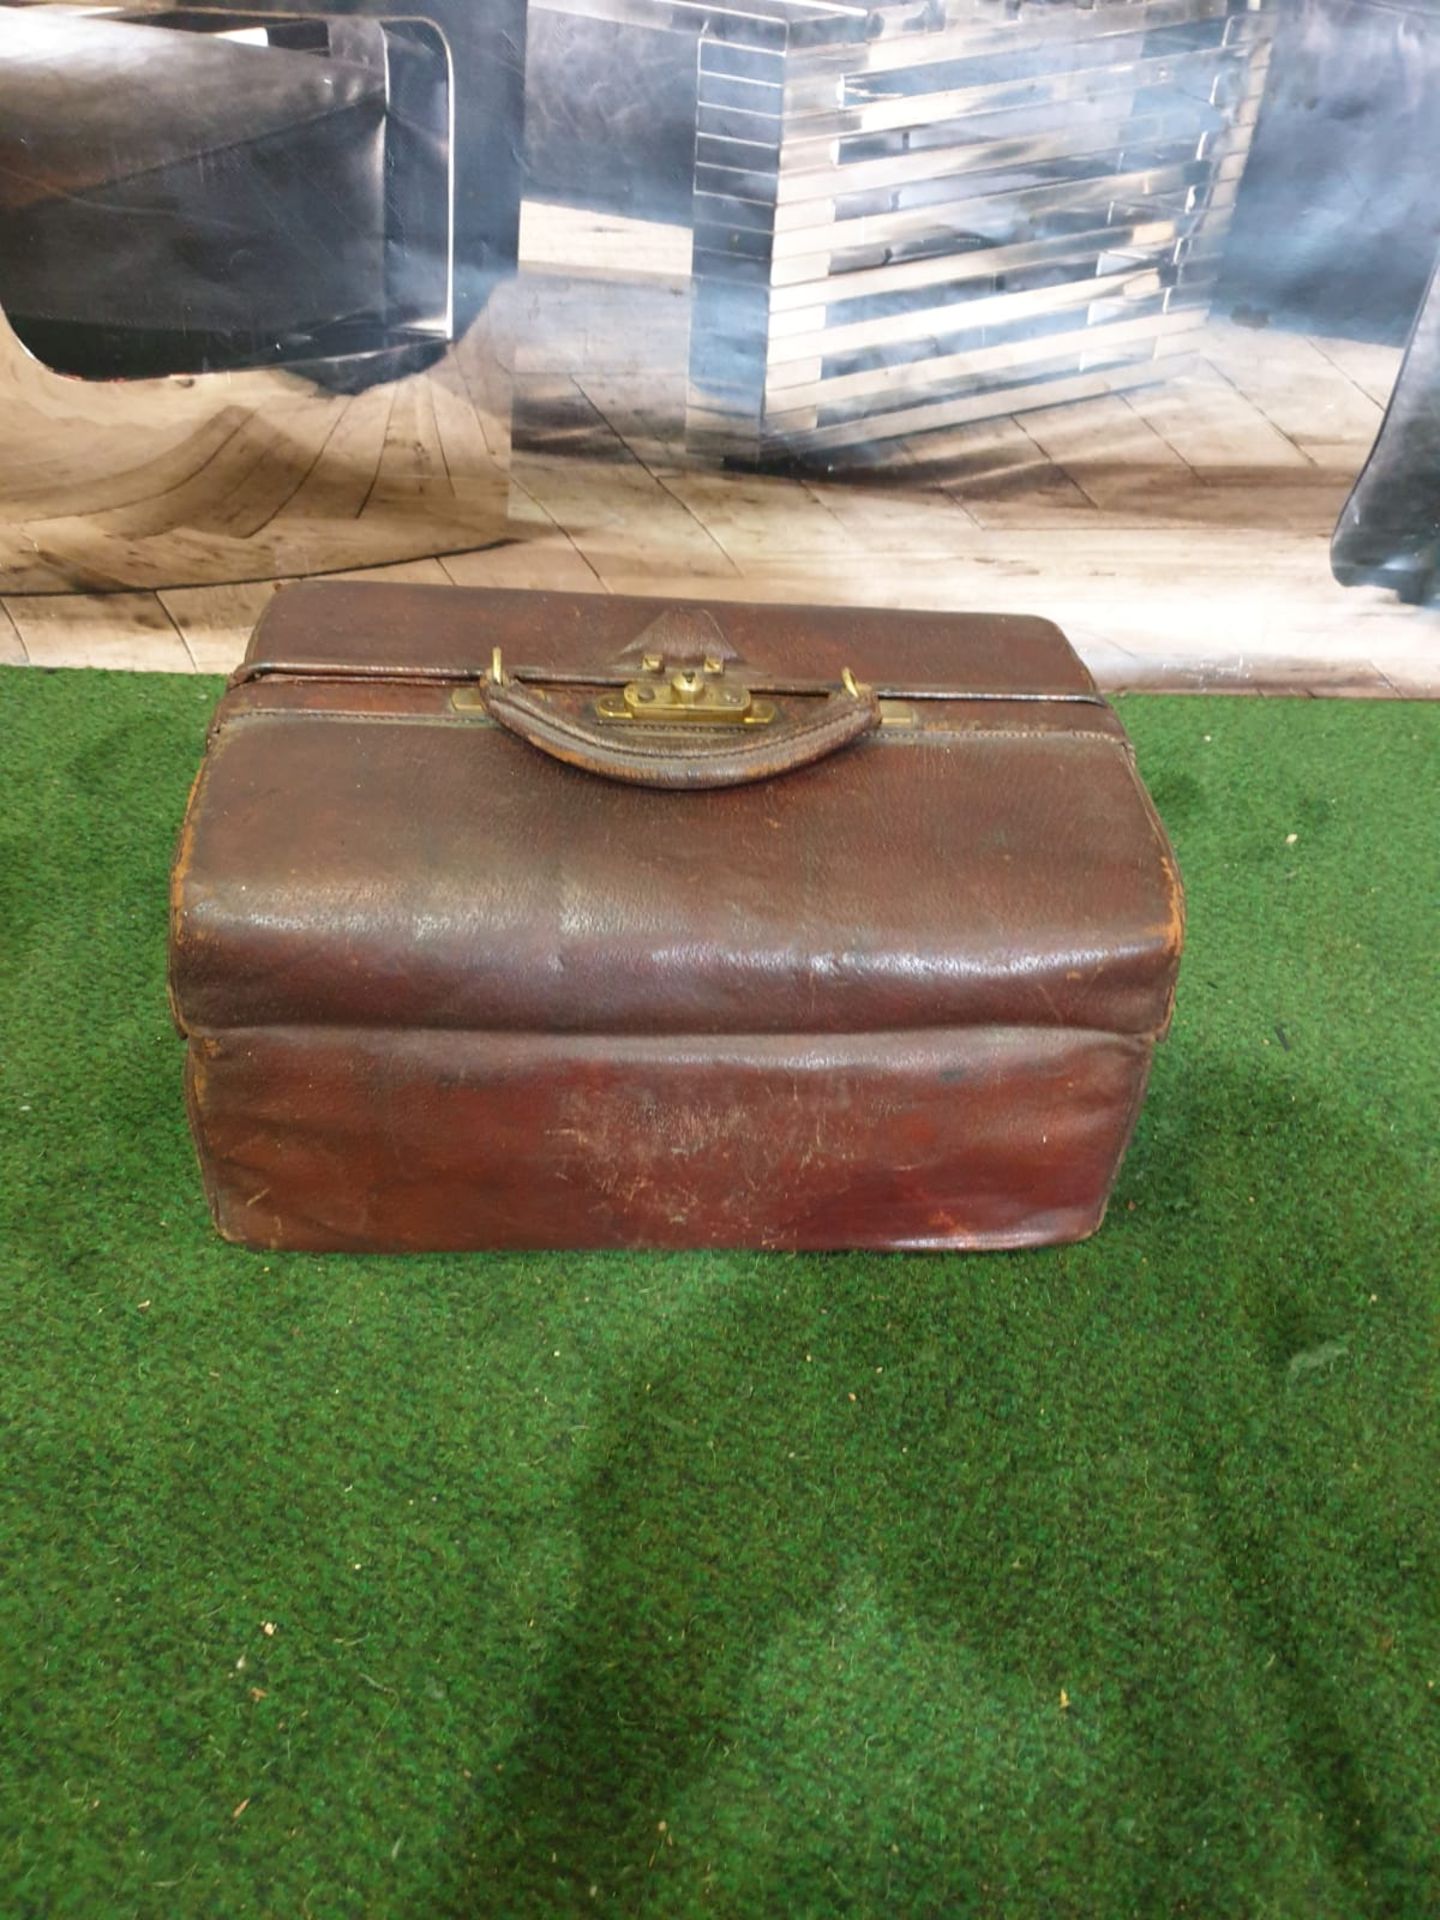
(686, 697)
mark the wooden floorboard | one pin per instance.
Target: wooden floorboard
(12, 647)
(1213, 427)
(130, 630)
(1368, 366)
(1178, 529)
(36, 487)
(216, 622)
(108, 486)
(1308, 396)
(550, 561)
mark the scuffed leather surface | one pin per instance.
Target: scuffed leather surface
(432, 872)
(351, 1139)
(443, 990)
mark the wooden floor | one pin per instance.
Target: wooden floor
(1178, 532)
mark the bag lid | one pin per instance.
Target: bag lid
(361, 628)
(366, 847)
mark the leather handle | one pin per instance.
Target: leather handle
(718, 757)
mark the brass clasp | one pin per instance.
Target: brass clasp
(686, 696)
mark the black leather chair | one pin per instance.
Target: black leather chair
(485, 43)
(194, 189)
(1389, 532)
(1337, 231)
(1338, 220)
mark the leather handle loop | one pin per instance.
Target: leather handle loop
(665, 757)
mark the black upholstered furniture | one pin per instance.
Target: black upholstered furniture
(485, 45)
(1389, 532)
(1337, 232)
(1338, 221)
(189, 189)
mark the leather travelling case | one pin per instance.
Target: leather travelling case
(509, 919)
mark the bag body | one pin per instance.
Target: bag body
(864, 939)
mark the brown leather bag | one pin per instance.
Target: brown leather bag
(551, 920)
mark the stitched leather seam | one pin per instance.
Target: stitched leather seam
(336, 673)
(890, 737)
(679, 1037)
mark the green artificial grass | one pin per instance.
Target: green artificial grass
(1095, 1581)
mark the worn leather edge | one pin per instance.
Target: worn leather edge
(180, 865)
(925, 733)
(1160, 839)
(672, 1041)
(206, 1160)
